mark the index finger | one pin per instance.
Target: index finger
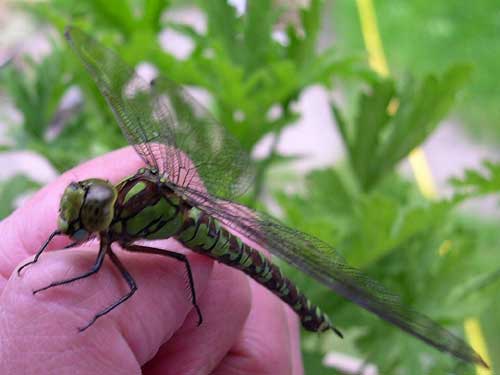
(27, 228)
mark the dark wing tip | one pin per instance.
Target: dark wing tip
(338, 333)
(75, 36)
(67, 32)
(481, 361)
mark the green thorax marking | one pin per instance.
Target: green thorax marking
(146, 208)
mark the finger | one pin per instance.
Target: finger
(293, 324)
(266, 345)
(40, 332)
(197, 350)
(27, 228)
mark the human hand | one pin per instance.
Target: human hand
(246, 329)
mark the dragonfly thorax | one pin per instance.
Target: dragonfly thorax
(86, 207)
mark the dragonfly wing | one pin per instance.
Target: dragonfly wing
(198, 155)
(322, 262)
(206, 150)
(168, 128)
(127, 96)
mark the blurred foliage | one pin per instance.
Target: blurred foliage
(420, 249)
(252, 78)
(476, 183)
(376, 218)
(36, 90)
(421, 35)
(377, 140)
(13, 188)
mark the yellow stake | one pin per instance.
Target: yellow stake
(422, 173)
(476, 339)
(418, 162)
(372, 39)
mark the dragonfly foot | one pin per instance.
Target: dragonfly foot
(24, 266)
(37, 255)
(49, 286)
(72, 244)
(42, 289)
(81, 329)
(200, 317)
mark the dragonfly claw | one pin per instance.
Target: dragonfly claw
(24, 266)
(81, 329)
(200, 317)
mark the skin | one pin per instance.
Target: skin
(246, 330)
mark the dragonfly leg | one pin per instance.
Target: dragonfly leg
(37, 255)
(72, 244)
(131, 283)
(95, 268)
(180, 257)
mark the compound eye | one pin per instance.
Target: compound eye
(98, 208)
(69, 208)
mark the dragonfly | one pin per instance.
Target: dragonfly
(194, 169)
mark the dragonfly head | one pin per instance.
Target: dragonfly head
(86, 207)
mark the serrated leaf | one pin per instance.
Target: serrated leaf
(370, 122)
(419, 112)
(153, 10)
(478, 182)
(328, 64)
(302, 43)
(36, 92)
(257, 31)
(223, 26)
(342, 127)
(378, 141)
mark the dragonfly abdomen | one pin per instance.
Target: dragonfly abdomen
(204, 234)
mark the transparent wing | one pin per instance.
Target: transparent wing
(322, 262)
(176, 135)
(164, 124)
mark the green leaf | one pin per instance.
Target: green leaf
(223, 26)
(301, 48)
(420, 110)
(115, 13)
(313, 364)
(56, 14)
(257, 32)
(11, 189)
(395, 237)
(370, 122)
(153, 10)
(377, 141)
(343, 128)
(189, 31)
(329, 64)
(476, 183)
(36, 91)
